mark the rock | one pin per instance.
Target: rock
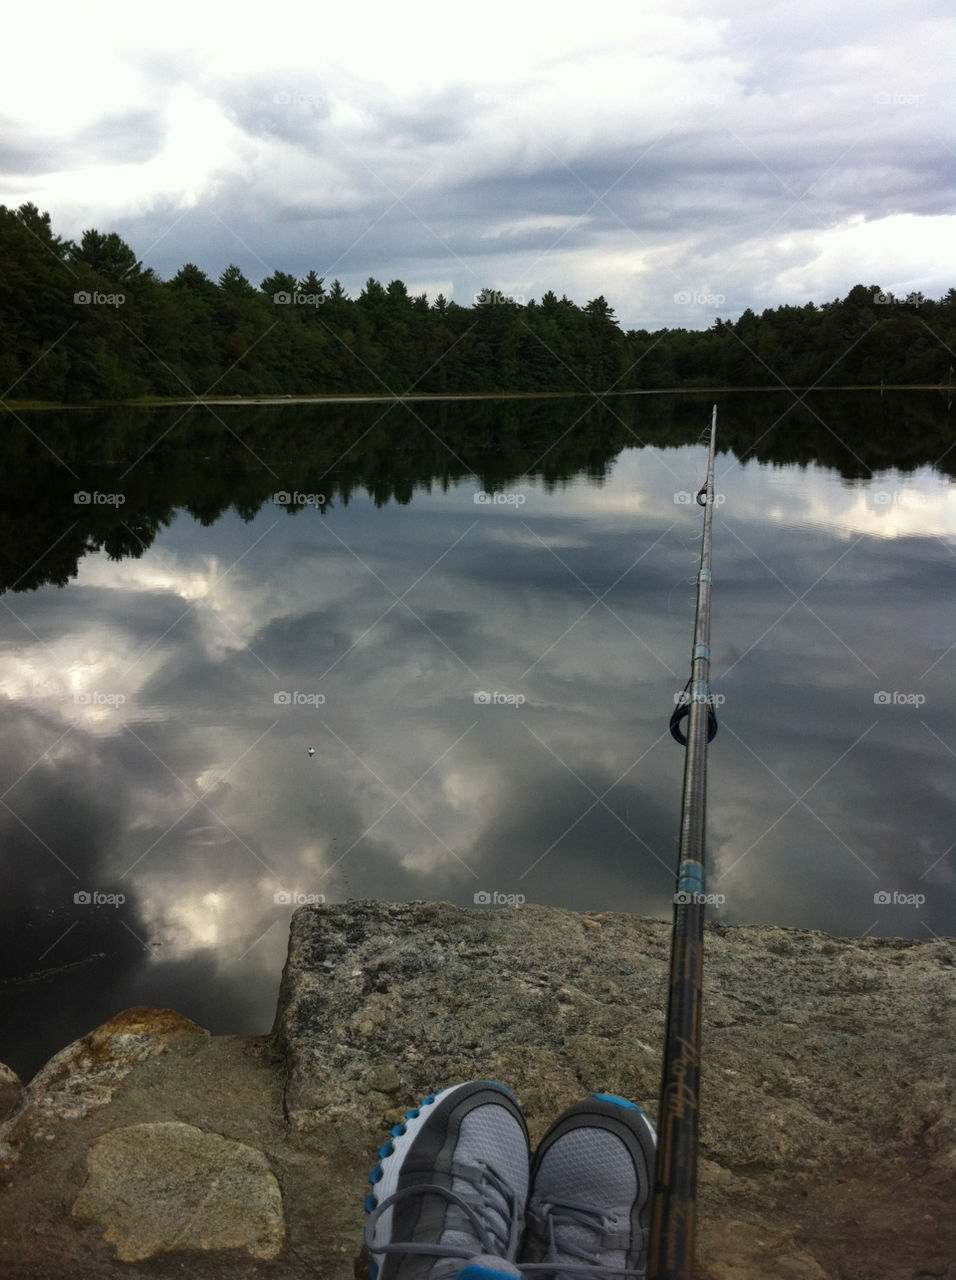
(157, 1188)
(384, 1078)
(826, 1109)
(88, 1072)
(734, 1250)
(11, 1087)
(805, 1074)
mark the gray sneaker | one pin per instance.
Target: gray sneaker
(592, 1185)
(450, 1187)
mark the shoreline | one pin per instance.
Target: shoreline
(360, 397)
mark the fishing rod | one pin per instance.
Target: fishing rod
(671, 1249)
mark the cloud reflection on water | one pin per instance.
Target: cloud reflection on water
(197, 799)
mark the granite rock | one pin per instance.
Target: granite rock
(827, 1145)
(735, 1250)
(87, 1073)
(168, 1187)
(11, 1088)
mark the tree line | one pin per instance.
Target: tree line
(82, 322)
(241, 458)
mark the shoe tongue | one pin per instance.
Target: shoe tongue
(487, 1267)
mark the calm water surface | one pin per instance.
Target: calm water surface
(448, 675)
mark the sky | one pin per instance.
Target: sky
(685, 160)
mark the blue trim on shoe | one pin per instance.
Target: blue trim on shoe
(386, 1150)
(618, 1102)
(475, 1271)
(399, 1130)
(560, 1211)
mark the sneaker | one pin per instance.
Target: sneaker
(450, 1188)
(592, 1186)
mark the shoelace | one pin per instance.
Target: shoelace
(497, 1227)
(554, 1215)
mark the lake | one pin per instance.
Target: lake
(260, 655)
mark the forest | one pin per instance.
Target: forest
(205, 462)
(85, 322)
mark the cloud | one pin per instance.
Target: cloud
(757, 157)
